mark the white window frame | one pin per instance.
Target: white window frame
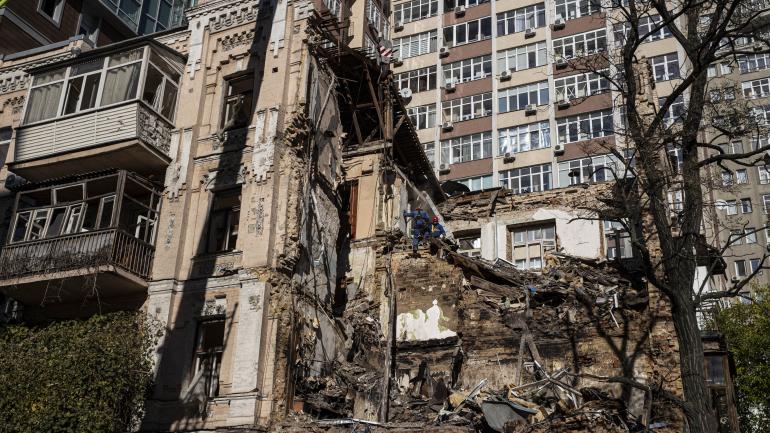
(523, 57)
(477, 183)
(612, 231)
(593, 119)
(422, 116)
(418, 10)
(580, 85)
(591, 169)
(466, 148)
(753, 62)
(746, 206)
(665, 67)
(480, 68)
(416, 45)
(510, 99)
(57, 13)
(480, 106)
(412, 79)
(759, 88)
(580, 44)
(465, 29)
(521, 19)
(527, 238)
(538, 178)
(524, 138)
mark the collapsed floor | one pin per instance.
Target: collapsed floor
(475, 346)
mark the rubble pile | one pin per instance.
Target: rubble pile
(486, 347)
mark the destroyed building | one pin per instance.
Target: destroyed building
(242, 179)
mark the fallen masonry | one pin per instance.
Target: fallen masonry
(476, 346)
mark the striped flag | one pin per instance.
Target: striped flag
(385, 49)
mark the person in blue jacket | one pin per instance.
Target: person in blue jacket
(437, 229)
(420, 226)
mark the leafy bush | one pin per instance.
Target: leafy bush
(75, 376)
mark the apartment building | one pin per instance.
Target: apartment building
(494, 92)
(27, 24)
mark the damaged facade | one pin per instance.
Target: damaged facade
(243, 180)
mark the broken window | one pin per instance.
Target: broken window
(223, 223)
(469, 244)
(238, 102)
(617, 241)
(209, 346)
(350, 193)
(529, 244)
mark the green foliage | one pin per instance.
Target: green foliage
(747, 330)
(75, 376)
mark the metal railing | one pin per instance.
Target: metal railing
(76, 251)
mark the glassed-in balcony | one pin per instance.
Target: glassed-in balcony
(108, 109)
(97, 228)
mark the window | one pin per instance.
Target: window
(665, 67)
(740, 268)
(6, 133)
(122, 78)
(765, 202)
(451, 4)
(517, 98)
(648, 30)
(418, 80)
(430, 152)
(422, 117)
(736, 237)
(522, 180)
(675, 157)
(761, 114)
(585, 170)
(727, 178)
(731, 207)
(467, 108)
(523, 138)
(741, 176)
(750, 235)
(89, 27)
(617, 237)
(675, 111)
(571, 9)
(746, 205)
(521, 19)
(580, 86)
(732, 148)
(465, 70)
(469, 244)
(415, 45)
(523, 57)
(376, 19)
(160, 88)
(753, 62)
(238, 102)
(157, 16)
(764, 174)
(756, 89)
(754, 264)
(44, 96)
(466, 148)
(51, 9)
(415, 10)
(477, 183)
(584, 126)
(467, 32)
(676, 200)
(209, 347)
(580, 44)
(529, 244)
(223, 222)
(715, 370)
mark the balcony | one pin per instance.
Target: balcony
(69, 237)
(108, 109)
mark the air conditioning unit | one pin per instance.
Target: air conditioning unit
(508, 158)
(561, 63)
(450, 87)
(459, 11)
(443, 169)
(443, 51)
(530, 32)
(735, 280)
(505, 75)
(396, 60)
(405, 93)
(563, 104)
(399, 26)
(447, 126)
(559, 23)
(558, 149)
(530, 110)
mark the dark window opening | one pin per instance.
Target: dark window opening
(208, 355)
(223, 223)
(238, 102)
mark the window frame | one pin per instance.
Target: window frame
(564, 126)
(509, 59)
(522, 96)
(480, 67)
(57, 13)
(430, 5)
(456, 150)
(506, 137)
(543, 175)
(465, 28)
(518, 20)
(457, 106)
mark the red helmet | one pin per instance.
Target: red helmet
(435, 219)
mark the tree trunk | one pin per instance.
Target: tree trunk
(699, 413)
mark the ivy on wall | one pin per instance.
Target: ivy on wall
(76, 376)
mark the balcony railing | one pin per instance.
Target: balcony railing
(121, 122)
(90, 250)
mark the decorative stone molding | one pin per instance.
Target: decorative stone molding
(231, 42)
(14, 82)
(224, 177)
(216, 265)
(214, 307)
(153, 130)
(16, 103)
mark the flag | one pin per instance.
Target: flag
(385, 49)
